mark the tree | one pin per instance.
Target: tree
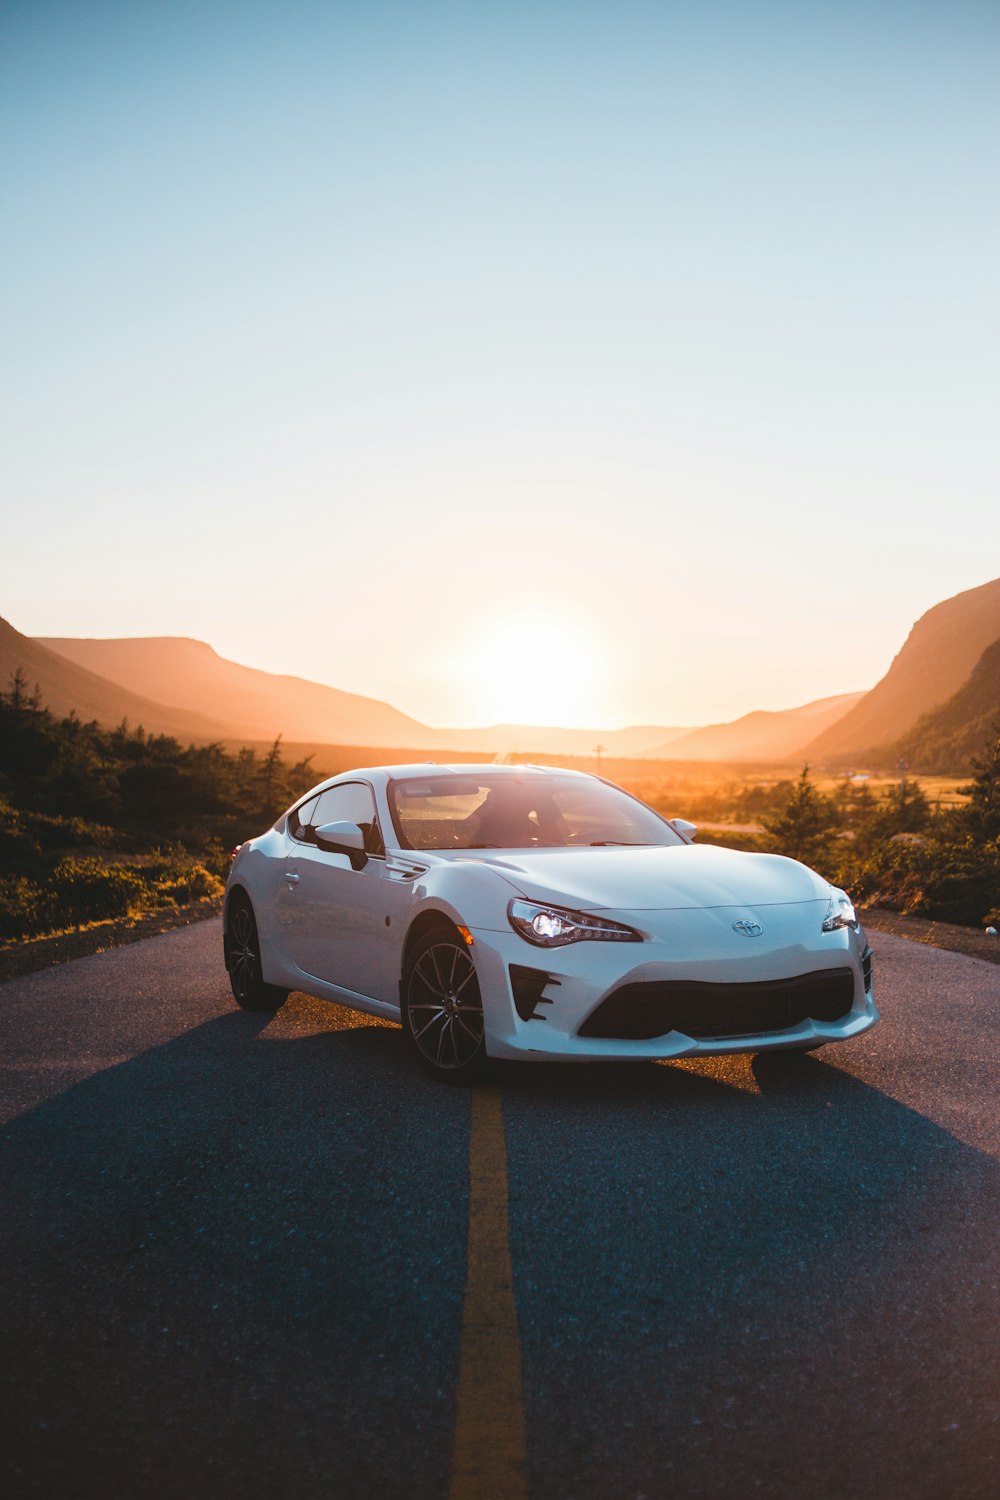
(269, 771)
(907, 809)
(862, 807)
(804, 829)
(17, 694)
(983, 813)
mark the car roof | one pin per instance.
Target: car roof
(382, 775)
(422, 769)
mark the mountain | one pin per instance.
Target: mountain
(761, 735)
(547, 739)
(938, 656)
(179, 686)
(951, 737)
(68, 687)
(250, 703)
(258, 705)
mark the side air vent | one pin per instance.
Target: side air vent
(527, 986)
(398, 867)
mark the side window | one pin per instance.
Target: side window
(351, 802)
(301, 821)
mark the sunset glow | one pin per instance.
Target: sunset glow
(575, 363)
(534, 671)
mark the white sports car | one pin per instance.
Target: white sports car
(527, 912)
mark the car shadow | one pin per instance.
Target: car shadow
(750, 1274)
(235, 1264)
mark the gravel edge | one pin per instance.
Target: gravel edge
(967, 940)
(32, 954)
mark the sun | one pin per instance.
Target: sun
(533, 671)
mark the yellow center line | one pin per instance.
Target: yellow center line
(489, 1453)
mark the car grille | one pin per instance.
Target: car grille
(866, 969)
(714, 1011)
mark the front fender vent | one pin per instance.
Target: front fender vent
(398, 867)
(527, 986)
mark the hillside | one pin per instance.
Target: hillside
(258, 705)
(252, 704)
(762, 735)
(548, 739)
(951, 737)
(938, 656)
(67, 686)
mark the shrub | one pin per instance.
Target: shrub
(86, 890)
(938, 878)
(217, 859)
(172, 875)
(187, 884)
(19, 852)
(70, 833)
(24, 907)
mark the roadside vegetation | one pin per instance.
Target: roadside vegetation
(100, 824)
(890, 847)
(925, 847)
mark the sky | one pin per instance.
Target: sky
(575, 363)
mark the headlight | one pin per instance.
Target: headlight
(554, 926)
(840, 913)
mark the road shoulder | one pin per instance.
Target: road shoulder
(34, 954)
(967, 940)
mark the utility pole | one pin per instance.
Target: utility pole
(599, 750)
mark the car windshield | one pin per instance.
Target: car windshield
(520, 811)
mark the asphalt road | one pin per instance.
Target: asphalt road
(233, 1251)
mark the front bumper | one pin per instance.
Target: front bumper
(698, 946)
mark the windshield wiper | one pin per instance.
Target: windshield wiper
(480, 846)
(618, 844)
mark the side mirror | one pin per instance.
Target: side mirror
(343, 838)
(686, 830)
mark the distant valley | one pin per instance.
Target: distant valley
(934, 706)
(186, 674)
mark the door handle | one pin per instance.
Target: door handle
(291, 877)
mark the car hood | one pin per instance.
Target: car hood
(657, 879)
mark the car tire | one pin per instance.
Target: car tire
(242, 951)
(442, 1007)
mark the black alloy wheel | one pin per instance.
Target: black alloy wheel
(442, 1008)
(243, 961)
